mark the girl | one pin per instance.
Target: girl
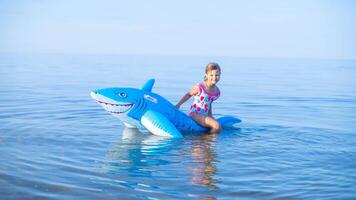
(204, 94)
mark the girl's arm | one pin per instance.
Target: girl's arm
(210, 113)
(195, 90)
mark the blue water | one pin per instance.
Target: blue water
(297, 139)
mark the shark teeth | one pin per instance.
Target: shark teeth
(115, 108)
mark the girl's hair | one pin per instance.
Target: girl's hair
(211, 66)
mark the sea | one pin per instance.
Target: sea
(297, 138)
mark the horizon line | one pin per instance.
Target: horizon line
(177, 55)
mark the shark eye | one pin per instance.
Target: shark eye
(122, 94)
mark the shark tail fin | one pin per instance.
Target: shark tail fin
(227, 121)
(148, 85)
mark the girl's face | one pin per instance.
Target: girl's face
(213, 76)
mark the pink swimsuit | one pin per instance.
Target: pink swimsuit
(202, 101)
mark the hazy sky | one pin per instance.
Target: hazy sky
(251, 28)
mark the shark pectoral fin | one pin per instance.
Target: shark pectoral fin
(159, 125)
(227, 121)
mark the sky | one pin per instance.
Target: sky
(251, 28)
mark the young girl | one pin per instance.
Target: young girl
(204, 94)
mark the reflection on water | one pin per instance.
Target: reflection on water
(139, 155)
(136, 151)
(203, 155)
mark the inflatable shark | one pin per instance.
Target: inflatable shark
(141, 107)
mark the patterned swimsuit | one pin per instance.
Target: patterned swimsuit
(202, 101)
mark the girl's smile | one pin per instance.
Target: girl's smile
(212, 77)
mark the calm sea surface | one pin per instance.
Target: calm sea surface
(297, 139)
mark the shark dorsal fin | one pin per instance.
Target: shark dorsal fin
(148, 85)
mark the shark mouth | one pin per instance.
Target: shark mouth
(115, 108)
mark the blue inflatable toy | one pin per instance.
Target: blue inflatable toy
(141, 107)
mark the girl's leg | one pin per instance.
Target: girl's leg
(207, 121)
